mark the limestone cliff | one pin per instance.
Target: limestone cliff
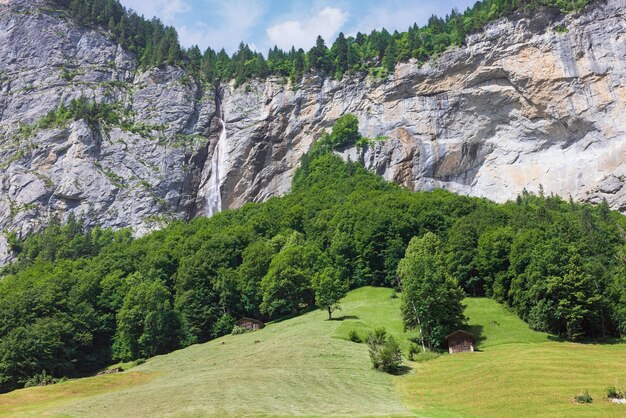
(521, 105)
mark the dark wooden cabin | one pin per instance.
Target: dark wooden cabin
(460, 342)
(250, 324)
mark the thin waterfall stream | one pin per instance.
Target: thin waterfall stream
(214, 193)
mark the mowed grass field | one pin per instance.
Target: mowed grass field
(517, 372)
(293, 367)
(305, 366)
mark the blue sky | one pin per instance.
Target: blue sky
(265, 23)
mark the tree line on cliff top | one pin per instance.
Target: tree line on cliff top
(376, 53)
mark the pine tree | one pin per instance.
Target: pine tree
(112, 26)
(389, 60)
(297, 66)
(354, 59)
(208, 64)
(173, 47)
(318, 56)
(261, 68)
(340, 54)
(195, 59)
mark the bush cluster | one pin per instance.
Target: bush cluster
(42, 379)
(584, 397)
(417, 354)
(384, 351)
(613, 393)
(237, 330)
(354, 336)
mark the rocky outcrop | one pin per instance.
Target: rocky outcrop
(521, 105)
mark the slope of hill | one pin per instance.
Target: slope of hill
(294, 367)
(517, 372)
(301, 367)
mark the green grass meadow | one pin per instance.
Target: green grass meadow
(517, 372)
(306, 366)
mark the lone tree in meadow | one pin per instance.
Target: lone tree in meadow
(431, 299)
(329, 289)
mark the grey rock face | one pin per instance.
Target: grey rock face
(521, 105)
(138, 177)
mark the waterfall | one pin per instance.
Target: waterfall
(214, 184)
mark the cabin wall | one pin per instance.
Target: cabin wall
(460, 345)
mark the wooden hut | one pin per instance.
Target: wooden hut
(460, 342)
(250, 324)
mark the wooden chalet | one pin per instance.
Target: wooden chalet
(460, 342)
(250, 324)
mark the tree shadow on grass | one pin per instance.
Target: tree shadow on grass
(402, 370)
(344, 317)
(477, 330)
(600, 340)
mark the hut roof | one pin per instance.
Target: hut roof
(245, 319)
(461, 333)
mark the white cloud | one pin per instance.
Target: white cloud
(232, 21)
(381, 17)
(166, 10)
(224, 23)
(400, 14)
(302, 33)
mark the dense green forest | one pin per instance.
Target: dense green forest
(76, 299)
(377, 53)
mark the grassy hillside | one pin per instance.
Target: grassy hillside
(516, 372)
(75, 300)
(294, 367)
(305, 366)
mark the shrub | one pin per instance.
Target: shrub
(68, 75)
(584, 398)
(237, 330)
(413, 350)
(375, 340)
(43, 379)
(354, 336)
(417, 354)
(377, 337)
(385, 352)
(613, 393)
(390, 356)
(345, 133)
(561, 29)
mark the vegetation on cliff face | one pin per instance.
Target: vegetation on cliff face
(96, 114)
(74, 300)
(377, 53)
